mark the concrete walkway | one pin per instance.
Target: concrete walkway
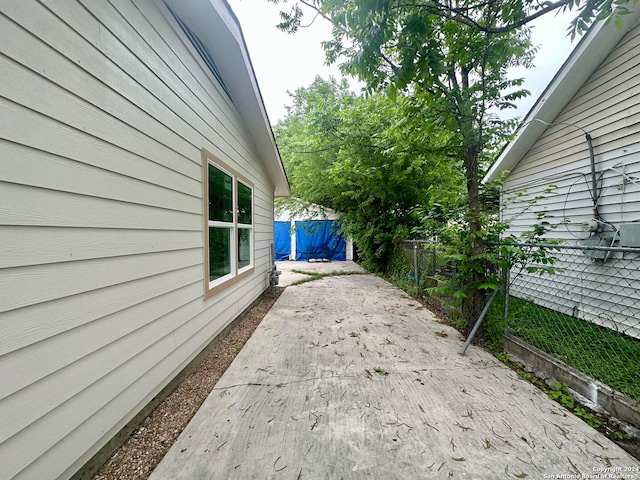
(349, 378)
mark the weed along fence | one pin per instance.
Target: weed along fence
(425, 262)
(586, 314)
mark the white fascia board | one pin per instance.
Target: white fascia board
(590, 52)
(218, 28)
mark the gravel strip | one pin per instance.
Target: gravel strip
(141, 453)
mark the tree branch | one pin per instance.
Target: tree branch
(459, 15)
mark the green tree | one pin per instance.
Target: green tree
(456, 54)
(308, 137)
(371, 159)
(460, 70)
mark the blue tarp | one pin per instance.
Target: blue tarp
(282, 241)
(318, 239)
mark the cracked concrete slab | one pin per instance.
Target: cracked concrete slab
(349, 378)
(290, 270)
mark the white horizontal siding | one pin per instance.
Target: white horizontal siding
(607, 107)
(39, 360)
(104, 111)
(24, 327)
(571, 200)
(605, 294)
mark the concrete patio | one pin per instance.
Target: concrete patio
(349, 378)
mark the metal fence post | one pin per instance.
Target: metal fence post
(434, 262)
(415, 263)
(590, 294)
(506, 297)
(478, 323)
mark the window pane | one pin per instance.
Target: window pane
(219, 252)
(244, 204)
(220, 195)
(244, 247)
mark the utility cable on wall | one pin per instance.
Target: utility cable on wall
(594, 181)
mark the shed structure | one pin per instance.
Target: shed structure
(575, 163)
(137, 183)
(307, 233)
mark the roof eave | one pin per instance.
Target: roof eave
(589, 53)
(219, 29)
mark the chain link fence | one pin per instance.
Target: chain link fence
(586, 313)
(426, 261)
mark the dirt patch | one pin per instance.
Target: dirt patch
(436, 306)
(141, 453)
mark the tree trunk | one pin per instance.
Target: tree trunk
(474, 302)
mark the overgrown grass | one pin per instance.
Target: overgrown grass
(601, 353)
(318, 275)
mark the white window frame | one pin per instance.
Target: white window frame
(236, 273)
(245, 226)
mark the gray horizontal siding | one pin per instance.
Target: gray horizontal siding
(104, 111)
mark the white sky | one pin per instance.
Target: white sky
(285, 62)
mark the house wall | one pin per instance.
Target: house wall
(105, 108)
(554, 179)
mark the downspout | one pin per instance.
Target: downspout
(594, 181)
